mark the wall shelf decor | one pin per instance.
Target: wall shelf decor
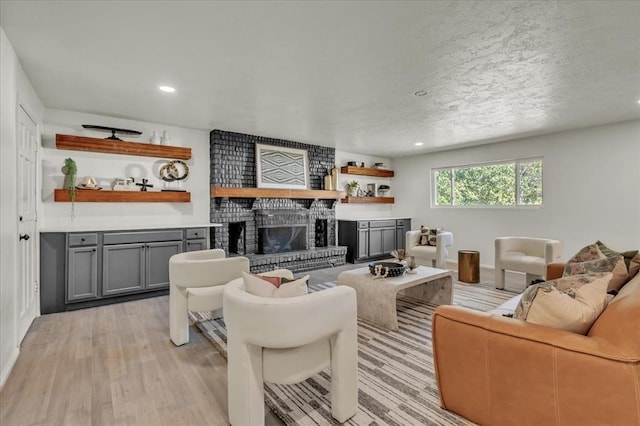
(367, 171)
(85, 196)
(228, 192)
(368, 200)
(84, 143)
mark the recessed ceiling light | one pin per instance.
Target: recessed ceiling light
(167, 89)
(421, 93)
(419, 143)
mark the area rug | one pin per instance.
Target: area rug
(396, 377)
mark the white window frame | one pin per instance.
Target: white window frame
(515, 162)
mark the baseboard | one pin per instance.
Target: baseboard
(7, 369)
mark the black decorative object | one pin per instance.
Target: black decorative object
(113, 131)
(144, 185)
(387, 269)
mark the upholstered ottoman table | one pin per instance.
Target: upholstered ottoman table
(377, 296)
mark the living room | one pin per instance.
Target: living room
(418, 87)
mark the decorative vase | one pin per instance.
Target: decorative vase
(327, 183)
(155, 139)
(334, 178)
(165, 138)
(352, 191)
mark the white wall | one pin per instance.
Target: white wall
(105, 167)
(591, 191)
(14, 89)
(362, 211)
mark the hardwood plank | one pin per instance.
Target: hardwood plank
(226, 192)
(98, 196)
(367, 171)
(84, 143)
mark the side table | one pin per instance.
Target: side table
(469, 266)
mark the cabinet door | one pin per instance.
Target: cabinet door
(157, 261)
(400, 232)
(388, 240)
(123, 268)
(194, 245)
(375, 242)
(363, 243)
(82, 274)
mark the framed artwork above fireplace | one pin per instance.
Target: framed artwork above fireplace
(280, 167)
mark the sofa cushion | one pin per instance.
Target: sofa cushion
(615, 265)
(574, 308)
(514, 260)
(422, 251)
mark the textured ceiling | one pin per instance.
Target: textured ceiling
(341, 74)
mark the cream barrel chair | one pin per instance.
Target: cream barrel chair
(196, 281)
(434, 256)
(287, 340)
(524, 254)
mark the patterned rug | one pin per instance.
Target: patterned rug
(396, 378)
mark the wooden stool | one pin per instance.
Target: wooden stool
(469, 266)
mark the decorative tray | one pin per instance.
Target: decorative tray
(386, 269)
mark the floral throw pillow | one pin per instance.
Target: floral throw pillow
(590, 252)
(570, 303)
(615, 265)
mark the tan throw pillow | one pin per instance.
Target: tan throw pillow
(590, 252)
(615, 265)
(293, 288)
(572, 311)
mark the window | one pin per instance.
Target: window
(509, 183)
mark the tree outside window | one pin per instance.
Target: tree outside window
(499, 184)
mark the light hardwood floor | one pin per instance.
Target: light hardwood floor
(115, 364)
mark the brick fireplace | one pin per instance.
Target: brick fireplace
(297, 234)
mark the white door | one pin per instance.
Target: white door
(27, 259)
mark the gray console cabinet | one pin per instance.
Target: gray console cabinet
(93, 268)
(371, 239)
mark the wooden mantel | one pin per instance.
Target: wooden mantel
(226, 192)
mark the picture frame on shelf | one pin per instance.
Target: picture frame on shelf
(280, 167)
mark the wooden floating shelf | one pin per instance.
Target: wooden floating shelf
(84, 143)
(226, 192)
(100, 196)
(367, 171)
(369, 200)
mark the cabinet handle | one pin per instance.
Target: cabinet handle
(24, 237)
(82, 239)
(93, 250)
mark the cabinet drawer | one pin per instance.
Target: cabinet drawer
(194, 233)
(382, 223)
(363, 225)
(400, 222)
(79, 240)
(142, 237)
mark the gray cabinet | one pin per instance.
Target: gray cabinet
(363, 243)
(82, 274)
(371, 239)
(123, 269)
(157, 263)
(134, 267)
(80, 270)
(195, 245)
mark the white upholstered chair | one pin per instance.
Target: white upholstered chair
(524, 254)
(196, 280)
(287, 340)
(434, 256)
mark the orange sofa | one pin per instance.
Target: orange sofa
(495, 370)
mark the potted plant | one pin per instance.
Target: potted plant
(352, 188)
(70, 173)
